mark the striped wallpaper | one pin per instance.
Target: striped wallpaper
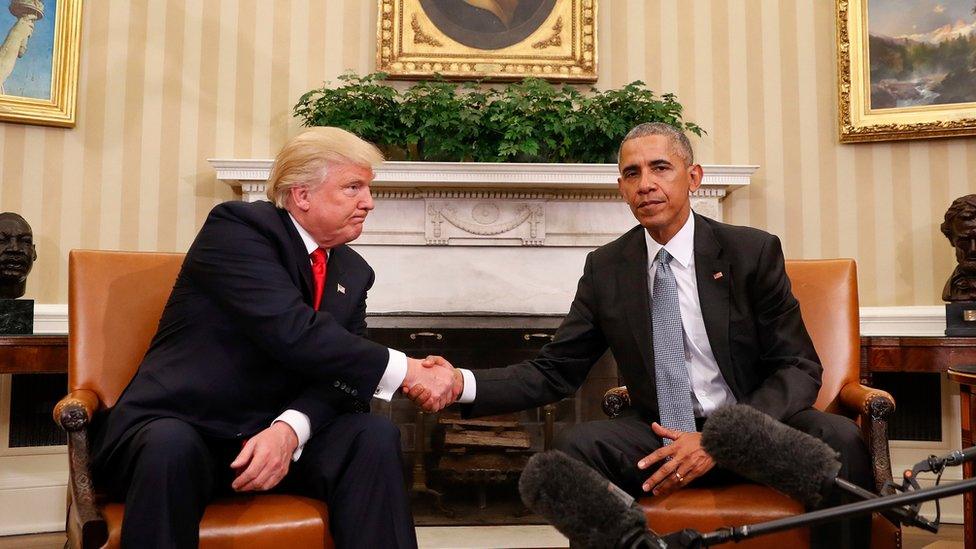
(165, 84)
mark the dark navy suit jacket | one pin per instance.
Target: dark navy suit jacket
(751, 317)
(239, 341)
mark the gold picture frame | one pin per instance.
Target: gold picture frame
(860, 122)
(488, 39)
(42, 86)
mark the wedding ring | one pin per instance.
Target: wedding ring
(678, 476)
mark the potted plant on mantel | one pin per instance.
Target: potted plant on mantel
(527, 121)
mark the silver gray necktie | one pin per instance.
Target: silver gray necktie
(673, 388)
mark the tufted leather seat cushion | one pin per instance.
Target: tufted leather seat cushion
(717, 507)
(709, 509)
(251, 522)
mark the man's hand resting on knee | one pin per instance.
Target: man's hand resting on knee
(683, 461)
(265, 458)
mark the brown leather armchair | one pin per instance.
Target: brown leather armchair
(115, 300)
(827, 292)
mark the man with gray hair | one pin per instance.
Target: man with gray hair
(699, 315)
(259, 376)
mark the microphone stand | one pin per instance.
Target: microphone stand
(691, 539)
(889, 505)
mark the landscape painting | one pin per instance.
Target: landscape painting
(923, 52)
(906, 69)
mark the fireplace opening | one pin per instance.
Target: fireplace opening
(465, 471)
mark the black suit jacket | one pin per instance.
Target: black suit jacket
(239, 341)
(751, 318)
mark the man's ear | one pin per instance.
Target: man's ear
(696, 174)
(299, 197)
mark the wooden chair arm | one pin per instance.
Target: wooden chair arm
(615, 401)
(860, 399)
(74, 413)
(874, 406)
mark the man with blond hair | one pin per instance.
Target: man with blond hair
(259, 376)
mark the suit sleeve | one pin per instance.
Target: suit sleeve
(788, 356)
(321, 402)
(236, 263)
(557, 372)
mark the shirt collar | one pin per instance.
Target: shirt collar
(310, 244)
(681, 246)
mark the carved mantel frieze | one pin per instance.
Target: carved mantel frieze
(495, 204)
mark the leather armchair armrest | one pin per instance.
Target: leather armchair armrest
(85, 525)
(74, 412)
(615, 401)
(874, 406)
(861, 399)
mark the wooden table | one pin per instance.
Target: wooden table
(33, 354)
(914, 354)
(965, 376)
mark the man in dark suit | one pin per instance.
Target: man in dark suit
(259, 377)
(698, 314)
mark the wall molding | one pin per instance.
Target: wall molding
(922, 320)
(906, 321)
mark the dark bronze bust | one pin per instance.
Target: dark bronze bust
(960, 228)
(17, 255)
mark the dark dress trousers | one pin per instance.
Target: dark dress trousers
(753, 325)
(238, 343)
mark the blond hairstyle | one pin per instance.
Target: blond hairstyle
(305, 160)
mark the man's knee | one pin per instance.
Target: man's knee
(169, 440)
(840, 433)
(579, 441)
(378, 433)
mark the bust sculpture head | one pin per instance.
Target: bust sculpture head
(17, 255)
(960, 228)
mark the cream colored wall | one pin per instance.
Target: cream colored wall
(167, 84)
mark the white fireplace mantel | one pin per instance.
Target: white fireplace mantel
(250, 175)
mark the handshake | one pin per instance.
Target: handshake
(432, 383)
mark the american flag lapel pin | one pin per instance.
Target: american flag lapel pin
(717, 275)
(340, 288)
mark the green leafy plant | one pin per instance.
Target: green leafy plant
(527, 121)
(362, 105)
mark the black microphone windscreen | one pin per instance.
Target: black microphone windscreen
(578, 501)
(748, 442)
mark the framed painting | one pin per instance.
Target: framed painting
(488, 39)
(39, 43)
(907, 69)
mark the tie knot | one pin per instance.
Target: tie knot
(663, 256)
(318, 256)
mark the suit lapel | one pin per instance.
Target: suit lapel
(333, 298)
(633, 282)
(713, 294)
(301, 261)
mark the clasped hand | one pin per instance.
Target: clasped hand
(684, 460)
(433, 383)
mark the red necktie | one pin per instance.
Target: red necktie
(318, 271)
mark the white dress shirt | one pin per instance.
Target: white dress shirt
(709, 390)
(393, 376)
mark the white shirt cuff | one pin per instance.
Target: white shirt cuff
(299, 423)
(396, 372)
(467, 394)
